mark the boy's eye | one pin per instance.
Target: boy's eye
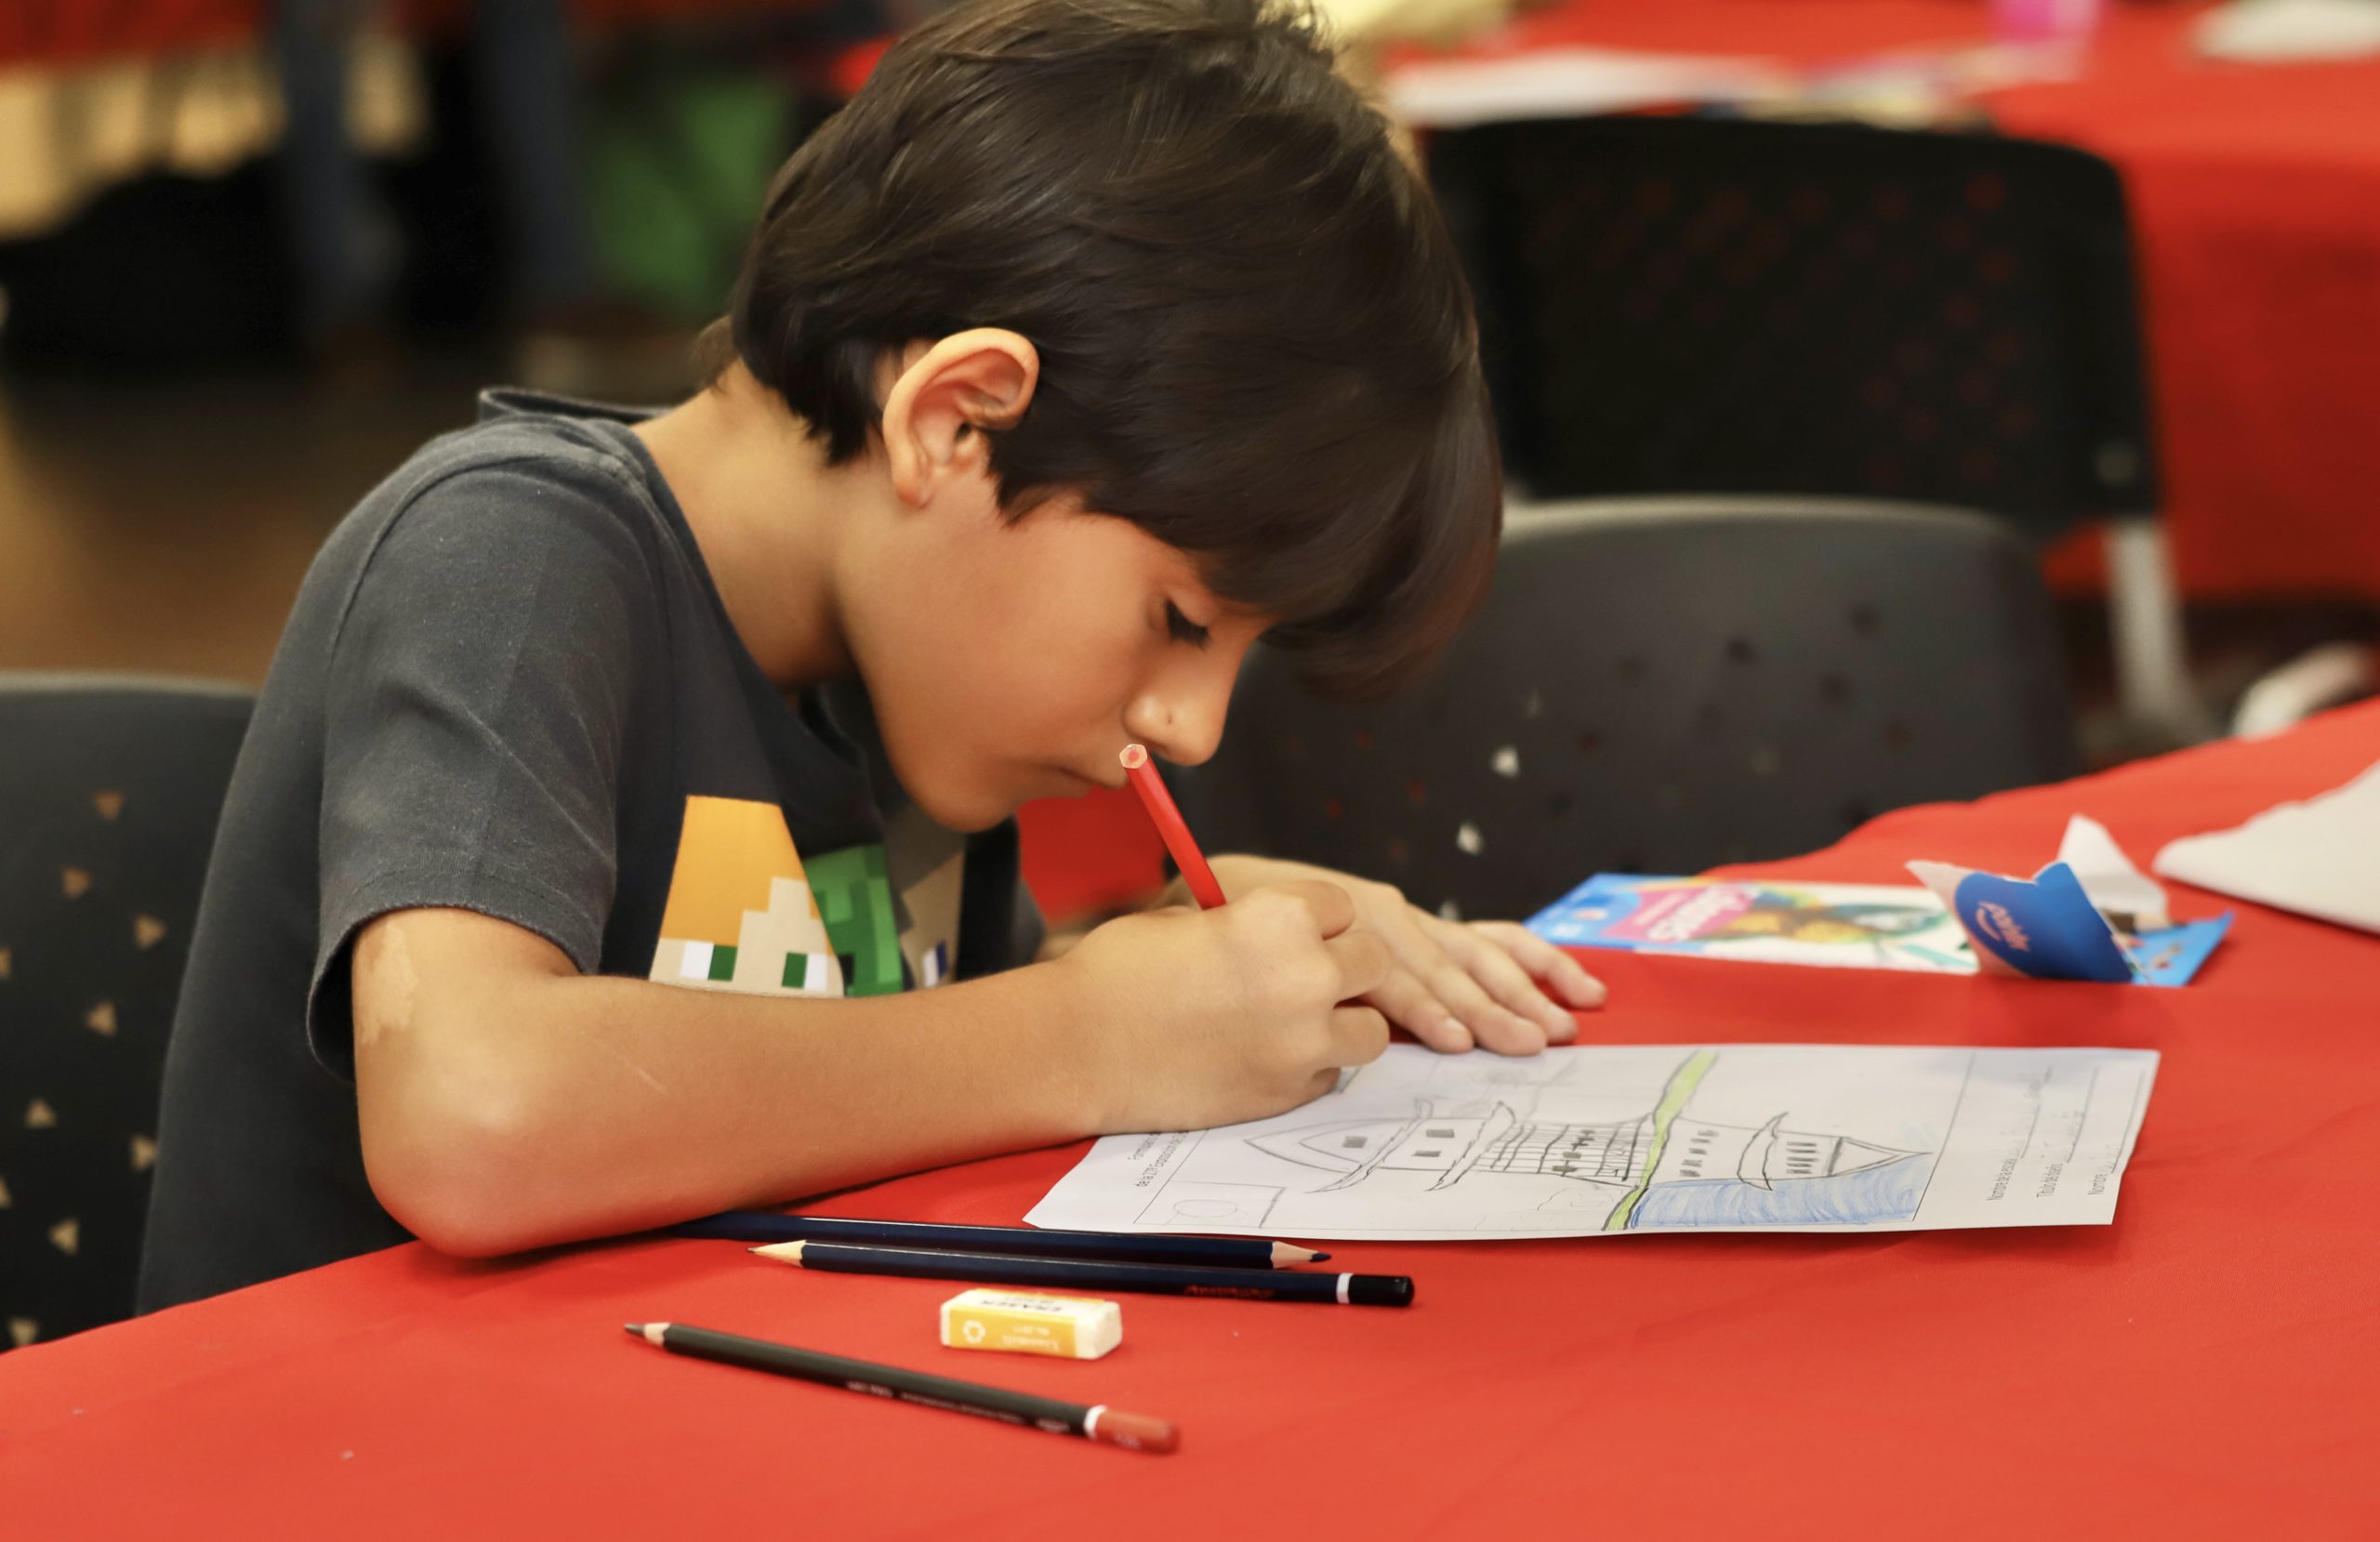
(1182, 629)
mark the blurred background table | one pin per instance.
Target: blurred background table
(2255, 197)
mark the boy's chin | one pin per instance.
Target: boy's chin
(968, 798)
(964, 808)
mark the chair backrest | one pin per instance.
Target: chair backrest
(110, 790)
(1690, 305)
(1660, 688)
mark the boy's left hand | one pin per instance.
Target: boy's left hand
(1493, 984)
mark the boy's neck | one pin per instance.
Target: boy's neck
(767, 512)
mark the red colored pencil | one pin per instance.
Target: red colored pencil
(1168, 819)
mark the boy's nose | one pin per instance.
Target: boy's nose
(1186, 727)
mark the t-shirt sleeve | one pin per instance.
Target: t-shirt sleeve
(477, 701)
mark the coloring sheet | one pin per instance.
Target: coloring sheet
(1589, 1141)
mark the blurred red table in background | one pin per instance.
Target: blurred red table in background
(2256, 195)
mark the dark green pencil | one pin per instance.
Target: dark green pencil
(1092, 1422)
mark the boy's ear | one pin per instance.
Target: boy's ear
(944, 398)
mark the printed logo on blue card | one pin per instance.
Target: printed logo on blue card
(2048, 927)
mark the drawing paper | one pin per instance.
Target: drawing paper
(1597, 1141)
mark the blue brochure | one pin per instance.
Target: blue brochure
(2045, 928)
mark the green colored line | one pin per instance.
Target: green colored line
(1683, 1081)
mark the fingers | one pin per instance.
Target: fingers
(1333, 907)
(1452, 986)
(1551, 967)
(1495, 975)
(1410, 1005)
(1490, 1023)
(1365, 963)
(1358, 1035)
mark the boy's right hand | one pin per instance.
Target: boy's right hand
(1194, 1018)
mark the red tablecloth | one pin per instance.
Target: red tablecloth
(2202, 1367)
(2256, 192)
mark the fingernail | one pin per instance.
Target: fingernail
(1587, 990)
(1566, 1032)
(1458, 1038)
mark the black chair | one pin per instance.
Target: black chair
(1660, 688)
(110, 790)
(1703, 306)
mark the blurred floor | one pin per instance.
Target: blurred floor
(164, 526)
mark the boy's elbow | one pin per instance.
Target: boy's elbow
(452, 1180)
(451, 1161)
(457, 1232)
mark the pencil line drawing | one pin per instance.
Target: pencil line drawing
(1664, 1166)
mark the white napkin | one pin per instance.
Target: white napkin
(2319, 858)
(2278, 32)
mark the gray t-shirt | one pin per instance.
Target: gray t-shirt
(509, 686)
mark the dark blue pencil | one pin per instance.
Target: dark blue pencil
(1022, 1241)
(1249, 1284)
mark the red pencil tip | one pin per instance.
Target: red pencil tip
(1134, 756)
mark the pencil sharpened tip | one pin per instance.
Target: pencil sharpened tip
(637, 1328)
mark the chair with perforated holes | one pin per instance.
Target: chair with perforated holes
(1695, 306)
(1660, 689)
(110, 791)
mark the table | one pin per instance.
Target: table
(2255, 193)
(2202, 1367)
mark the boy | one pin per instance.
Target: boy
(1087, 345)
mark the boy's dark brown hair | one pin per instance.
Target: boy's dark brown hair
(1256, 340)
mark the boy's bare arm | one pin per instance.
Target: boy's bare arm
(507, 1101)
